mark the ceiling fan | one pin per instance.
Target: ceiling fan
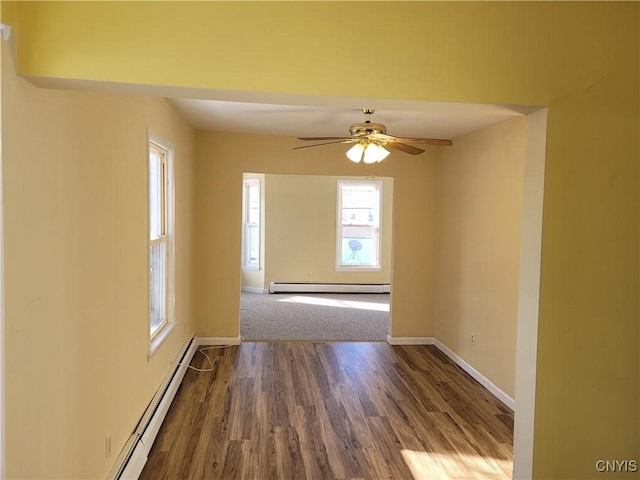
(371, 139)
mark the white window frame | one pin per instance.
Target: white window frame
(348, 267)
(246, 184)
(157, 337)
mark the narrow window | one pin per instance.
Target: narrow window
(358, 225)
(160, 243)
(251, 224)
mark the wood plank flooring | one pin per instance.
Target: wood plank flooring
(307, 410)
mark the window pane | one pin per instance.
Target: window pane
(254, 204)
(359, 222)
(253, 244)
(358, 245)
(155, 194)
(251, 221)
(157, 286)
(359, 204)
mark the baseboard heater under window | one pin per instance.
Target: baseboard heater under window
(282, 287)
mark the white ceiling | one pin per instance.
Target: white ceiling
(307, 115)
(402, 118)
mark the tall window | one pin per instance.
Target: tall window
(160, 242)
(251, 224)
(358, 225)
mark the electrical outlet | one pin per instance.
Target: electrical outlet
(473, 339)
(107, 446)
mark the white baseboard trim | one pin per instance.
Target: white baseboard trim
(410, 340)
(202, 341)
(254, 290)
(484, 381)
(301, 287)
(133, 458)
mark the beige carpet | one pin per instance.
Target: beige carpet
(314, 316)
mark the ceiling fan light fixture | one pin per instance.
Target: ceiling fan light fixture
(369, 140)
(356, 152)
(367, 153)
(375, 153)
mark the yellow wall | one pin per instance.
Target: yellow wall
(478, 249)
(580, 59)
(221, 160)
(301, 231)
(429, 50)
(75, 265)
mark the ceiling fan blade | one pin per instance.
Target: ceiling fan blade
(429, 141)
(324, 138)
(403, 147)
(383, 137)
(326, 143)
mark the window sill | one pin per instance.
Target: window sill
(251, 268)
(159, 338)
(353, 268)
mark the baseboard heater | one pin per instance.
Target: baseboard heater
(134, 456)
(283, 287)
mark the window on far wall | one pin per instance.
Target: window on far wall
(161, 220)
(251, 224)
(358, 225)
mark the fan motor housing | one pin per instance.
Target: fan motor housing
(368, 128)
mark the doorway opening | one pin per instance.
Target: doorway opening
(309, 283)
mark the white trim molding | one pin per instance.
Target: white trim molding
(5, 31)
(484, 381)
(410, 340)
(159, 339)
(529, 294)
(302, 287)
(254, 290)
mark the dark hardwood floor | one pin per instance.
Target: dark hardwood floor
(306, 410)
